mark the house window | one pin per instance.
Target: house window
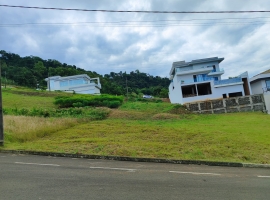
(189, 91)
(235, 94)
(202, 77)
(51, 84)
(195, 78)
(76, 82)
(63, 83)
(214, 68)
(204, 89)
(267, 83)
(224, 96)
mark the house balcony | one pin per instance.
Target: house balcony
(191, 81)
(216, 72)
(191, 70)
(227, 82)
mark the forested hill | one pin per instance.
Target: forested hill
(30, 70)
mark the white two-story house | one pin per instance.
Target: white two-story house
(81, 84)
(200, 80)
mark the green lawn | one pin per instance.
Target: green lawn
(22, 99)
(144, 129)
(242, 137)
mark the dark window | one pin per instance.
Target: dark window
(214, 68)
(235, 94)
(195, 78)
(267, 83)
(189, 91)
(204, 89)
(224, 96)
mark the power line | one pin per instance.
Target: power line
(161, 23)
(139, 11)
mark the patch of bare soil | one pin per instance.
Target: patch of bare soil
(119, 114)
(162, 116)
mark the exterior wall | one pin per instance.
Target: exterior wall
(230, 105)
(267, 102)
(175, 94)
(186, 78)
(257, 86)
(216, 93)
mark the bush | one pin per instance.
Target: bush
(92, 113)
(89, 100)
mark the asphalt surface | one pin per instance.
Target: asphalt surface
(41, 177)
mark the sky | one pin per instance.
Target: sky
(112, 42)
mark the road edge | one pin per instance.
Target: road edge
(134, 159)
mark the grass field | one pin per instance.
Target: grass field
(143, 129)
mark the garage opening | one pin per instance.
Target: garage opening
(204, 89)
(189, 91)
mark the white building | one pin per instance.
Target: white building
(200, 80)
(261, 83)
(81, 84)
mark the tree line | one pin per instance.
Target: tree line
(31, 71)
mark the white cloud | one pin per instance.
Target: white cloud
(140, 44)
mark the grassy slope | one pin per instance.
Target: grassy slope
(133, 130)
(26, 98)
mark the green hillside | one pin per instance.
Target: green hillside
(32, 70)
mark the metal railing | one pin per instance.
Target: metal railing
(228, 81)
(201, 79)
(217, 70)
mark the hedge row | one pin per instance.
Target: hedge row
(89, 113)
(89, 100)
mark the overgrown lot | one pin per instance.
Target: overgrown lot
(143, 129)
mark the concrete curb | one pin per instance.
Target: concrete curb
(154, 160)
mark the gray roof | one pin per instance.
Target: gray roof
(266, 72)
(261, 76)
(184, 64)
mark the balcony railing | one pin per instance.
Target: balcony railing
(228, 81)
(183, 69)
(196, 80)
(217, 70)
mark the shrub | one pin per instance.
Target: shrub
(92, 113)
(89, 100)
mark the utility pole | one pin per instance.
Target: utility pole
(127, 88)
(49, 84)
(5, 79)
(1, 112)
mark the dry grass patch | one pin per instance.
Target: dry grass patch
(120, 114)
(23, 128)
(162, 116)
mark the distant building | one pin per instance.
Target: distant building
(261, 83)
(200, 80)
(81, 84)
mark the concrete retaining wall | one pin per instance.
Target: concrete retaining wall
(229, 105)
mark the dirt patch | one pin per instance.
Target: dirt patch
(41, 94)
(119, 114)
(179, 110)
(162, 116)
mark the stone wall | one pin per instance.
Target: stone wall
(229, 105)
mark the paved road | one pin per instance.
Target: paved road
(40, 177)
